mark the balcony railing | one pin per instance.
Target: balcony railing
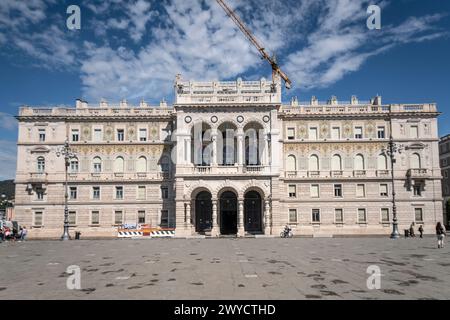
(382, 173)
(314, 174)
(359, 173)
(336, 173)
(417, 173)
(38, 177)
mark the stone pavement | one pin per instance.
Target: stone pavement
(298, 268)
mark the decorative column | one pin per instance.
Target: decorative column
(215, 226)
(240, 146)
(241, 229)
(188, 150)
(214, 147)
(265, 158)
(267, 218)
(188, 224)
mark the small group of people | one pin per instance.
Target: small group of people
(12, 234)
(440, 233)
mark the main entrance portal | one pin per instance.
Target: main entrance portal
(203, 212)
(228, 213)
(252, 212)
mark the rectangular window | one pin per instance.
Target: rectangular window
(141, 216)
(38, 218)
(41, 135)
(120, 135)
(358, 132)
(39, 194)
(292, 191)
(73, 193)
(142, 135)
(383, 190)
(164, 193)
(98, 135)
(291, 133)
(141, 193)
(360, 190)
(417, 189)
(381, 133)
(315, 215)
(338, 190)
(362, 216)
(165, 218)
(118, 217)
(96, 193)
(292, 215)
(75, 135)
(119, 193)
(72, 218)
(414, 132)
(384, 215)
(313, 133)
(314, 191)
(336, 133)
(418, 214)
(95, 217)
(338, 215)
(74, 166)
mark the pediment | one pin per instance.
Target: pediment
(40, 149)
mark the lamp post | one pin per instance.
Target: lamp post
(392, 149)
(68, 154)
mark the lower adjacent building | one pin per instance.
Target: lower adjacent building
(229, 158)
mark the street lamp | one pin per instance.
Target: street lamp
(68, 154)
(392, 149)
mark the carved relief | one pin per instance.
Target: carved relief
(347, 129)
(86, 133)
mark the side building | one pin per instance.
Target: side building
(229, 158)
(444, 154)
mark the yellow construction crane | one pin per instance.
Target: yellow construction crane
(275, 68)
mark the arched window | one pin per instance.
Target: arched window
(165, 165)
(40, 164)
(97, 164)
(382, 162)
(141, 165)
(253, 134)
(119, 164)
(336, 163)
(291, 164)
(415, 161)
(74, 166)
(359, 162)
(313, 163)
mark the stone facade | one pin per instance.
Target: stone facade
(319, 165)
(444, 154)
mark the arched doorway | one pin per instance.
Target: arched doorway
(253, 212)
(228, 213)
(203, 211)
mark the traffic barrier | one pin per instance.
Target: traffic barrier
(163, 234)
(130, 234)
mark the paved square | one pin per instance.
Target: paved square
(226, 269)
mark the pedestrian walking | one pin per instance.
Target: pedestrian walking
(421, 231)
(24, 233)
(440, 233)
(411, 230)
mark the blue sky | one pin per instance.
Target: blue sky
(133, 50)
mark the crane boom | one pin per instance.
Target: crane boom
(275, 68)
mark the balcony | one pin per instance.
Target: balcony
(253, 169)
(314, 174)
(417, 173)
(382, 173)
(38, 177)
(359, 173)
(291, 174)
(337, 173)
(225, 170)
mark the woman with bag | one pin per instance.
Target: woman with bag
(440, 233)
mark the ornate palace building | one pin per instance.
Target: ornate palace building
(318, 166)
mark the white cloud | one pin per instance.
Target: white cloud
(8, 159)
(317, 42)
(7, 121)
